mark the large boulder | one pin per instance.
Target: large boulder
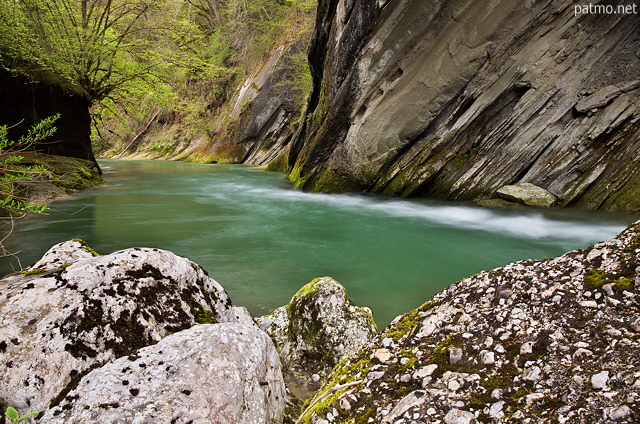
(73, 311)
(320, 326)
(555, 340)
(527, 194)
(220, 374)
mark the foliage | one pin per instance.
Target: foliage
(12, 173)
(144, 63)
(15, 418)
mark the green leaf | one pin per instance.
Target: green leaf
(12, 414)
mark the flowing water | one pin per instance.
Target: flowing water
(262, 240)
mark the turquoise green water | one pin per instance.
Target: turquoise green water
(262, 240)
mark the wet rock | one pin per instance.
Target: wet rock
(315, 330)
(527, 194)
(219, 373)
(552, 361)
(72, 312)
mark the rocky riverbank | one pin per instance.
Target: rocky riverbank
(143, 334)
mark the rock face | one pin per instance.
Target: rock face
(456, 99)
(314, 331)
(25, 103)
(556, 340)
(73, 311)
(260, 114)
(219, 374)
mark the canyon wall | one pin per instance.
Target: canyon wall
(456, 99)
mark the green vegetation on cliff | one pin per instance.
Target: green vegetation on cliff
(146, 63)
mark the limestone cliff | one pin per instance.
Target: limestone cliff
(456, 99)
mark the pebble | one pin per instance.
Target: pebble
(526, 348)
(532, 374)
(455, 355)
(496, 409)
(589, 304)
(487, 357)
(617, 413)
(457, 416)
(425, 371)
(374, 375)
(600, 380)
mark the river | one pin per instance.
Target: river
(262, 240)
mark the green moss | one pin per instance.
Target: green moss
(296, 178)
(407, 323)
(345, 372)
(86, 247)
(622, 285)
(308, 289)
(202, 315)
(595, 279)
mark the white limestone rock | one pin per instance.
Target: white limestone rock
(60, 319)
(219, 373)
(315, 330)
(527, 194)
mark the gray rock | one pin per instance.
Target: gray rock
(319, 327)
(600, 380)
(532, 374)
(457, 416)
(617, 413)
(422, 107)
(220, 373)
(604, 96)
(62, 319)
(527, 194)
(455, 355)
(487, 357)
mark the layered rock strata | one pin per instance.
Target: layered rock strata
(456, 99)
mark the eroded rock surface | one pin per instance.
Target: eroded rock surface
(72, 312)
(455, 99)
(314, 331)
(219, 374)
(556, 340)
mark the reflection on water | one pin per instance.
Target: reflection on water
(262, 240)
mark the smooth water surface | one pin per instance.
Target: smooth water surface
(262, 240)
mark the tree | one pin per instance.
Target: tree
(96, 46)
